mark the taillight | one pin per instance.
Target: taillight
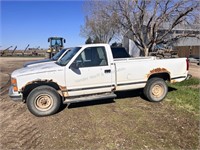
(187, 64)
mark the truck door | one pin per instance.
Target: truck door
(90, 73)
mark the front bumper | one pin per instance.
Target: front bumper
(15, 96)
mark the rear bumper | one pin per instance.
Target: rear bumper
(15, 96)
(180, 78)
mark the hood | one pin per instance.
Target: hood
(38, 62)
(37, 69)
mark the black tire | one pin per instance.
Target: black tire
(156, 89)
(43, 101)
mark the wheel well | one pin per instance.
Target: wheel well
(28, 88)
(165, 76)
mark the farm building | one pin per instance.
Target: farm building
(185, 47)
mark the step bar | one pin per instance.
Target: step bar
(89, 98)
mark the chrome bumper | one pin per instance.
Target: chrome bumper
(15, 96)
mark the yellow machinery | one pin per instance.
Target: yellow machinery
(56, 44)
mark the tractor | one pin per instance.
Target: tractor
(56, 44)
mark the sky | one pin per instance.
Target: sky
(32, 22)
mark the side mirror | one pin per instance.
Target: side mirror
(64, 40)
(74, 65)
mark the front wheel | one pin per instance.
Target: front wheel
(156, 89)
(43, 101)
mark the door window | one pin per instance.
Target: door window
(92, 57)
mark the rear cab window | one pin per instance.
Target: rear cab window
(119, 52)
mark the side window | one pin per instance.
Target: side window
(91, 57)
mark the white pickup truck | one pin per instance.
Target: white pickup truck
(90, 72)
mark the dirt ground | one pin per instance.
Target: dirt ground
(128, 122)
(194, 70)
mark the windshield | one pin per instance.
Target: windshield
(58, 54)
(56, 42)
(64, 60)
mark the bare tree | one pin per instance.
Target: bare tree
(99, 28)
(150, 22)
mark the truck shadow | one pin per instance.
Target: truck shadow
(170, 89)
(120, 96)
(91, 103)
(130, 94)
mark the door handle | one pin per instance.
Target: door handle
(107, 71)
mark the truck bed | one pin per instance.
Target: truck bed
(133, 73)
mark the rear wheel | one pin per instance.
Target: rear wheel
(155, 90)
(43, 101)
